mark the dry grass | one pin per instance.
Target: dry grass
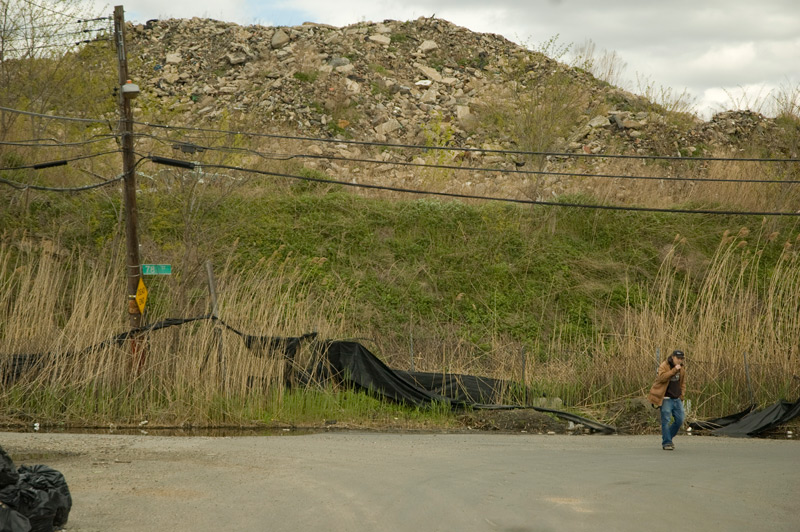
(741, 337)
(199, 373)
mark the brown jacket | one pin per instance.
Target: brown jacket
(659, 389)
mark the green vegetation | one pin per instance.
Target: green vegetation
(306, 77)
(475, 285)
(399, 37)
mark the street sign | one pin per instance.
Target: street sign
(141, 296)
(156, 269)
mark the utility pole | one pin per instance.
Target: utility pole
(125, 93)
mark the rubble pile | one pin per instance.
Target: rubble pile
(423, 82)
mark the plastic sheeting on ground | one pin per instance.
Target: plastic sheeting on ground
(462, 388)
(752, 422)
(353, 363)
(346, 361)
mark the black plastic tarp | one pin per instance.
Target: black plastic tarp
(352, 363)
(462, 388)
(759, 421)
(718, 422)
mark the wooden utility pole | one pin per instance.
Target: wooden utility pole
(134, 268)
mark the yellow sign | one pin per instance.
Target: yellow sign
(141, 296)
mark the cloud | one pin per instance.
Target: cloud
(230, 10)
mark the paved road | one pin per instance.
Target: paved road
(421, 482)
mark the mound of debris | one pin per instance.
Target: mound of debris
(425, 82)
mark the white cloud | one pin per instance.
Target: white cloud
(726, 58)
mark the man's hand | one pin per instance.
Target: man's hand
(678, 366)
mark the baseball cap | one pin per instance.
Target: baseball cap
(678, 353)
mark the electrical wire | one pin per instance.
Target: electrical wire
(56, 45)
(468, 150)
(51, 10)
(420, 147)
(55, 35)
(23, 186)
(62, 23)
(477, 197)
(553, 173)
(54, 143)
(59, 162)
(192, 148)
(55, 117)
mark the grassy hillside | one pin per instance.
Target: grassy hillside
(588, 299)
(573, 302)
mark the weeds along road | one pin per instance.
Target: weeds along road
(349, 481)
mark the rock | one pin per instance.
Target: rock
(599, 121)
(388, 127)
(429, 96)
(580, 134)
(236, 58)
(339, 62)
(428, 46)
(279, 39)
(381, 39)
(352, 86)
(428, 72)
(174, 58)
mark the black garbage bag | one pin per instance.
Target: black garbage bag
(8, 471)
(44, 497)
(12, 520)
(41, 495)
(37, 506)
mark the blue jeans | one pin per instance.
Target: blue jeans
(671, 409)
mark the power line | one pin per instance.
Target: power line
(468, 150)
(54, 143)
(421, 147)
(192, 148)
(53, 36)
(552, 173)
(59, 162)
(56, 117)
(68, 15)
(24, 186)
(55, 45)
(60, 24)
(187, 164)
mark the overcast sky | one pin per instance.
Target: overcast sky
(712, 48)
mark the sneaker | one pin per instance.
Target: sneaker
(669, 447)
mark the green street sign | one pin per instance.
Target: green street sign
(156, 269)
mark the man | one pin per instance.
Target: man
(667, 394)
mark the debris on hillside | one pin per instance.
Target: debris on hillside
(425, 82)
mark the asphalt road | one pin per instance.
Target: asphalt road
(420, 482)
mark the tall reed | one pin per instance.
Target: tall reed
(737, 316)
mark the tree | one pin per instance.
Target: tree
(40, 43)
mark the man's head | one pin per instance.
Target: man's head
(678, 357)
